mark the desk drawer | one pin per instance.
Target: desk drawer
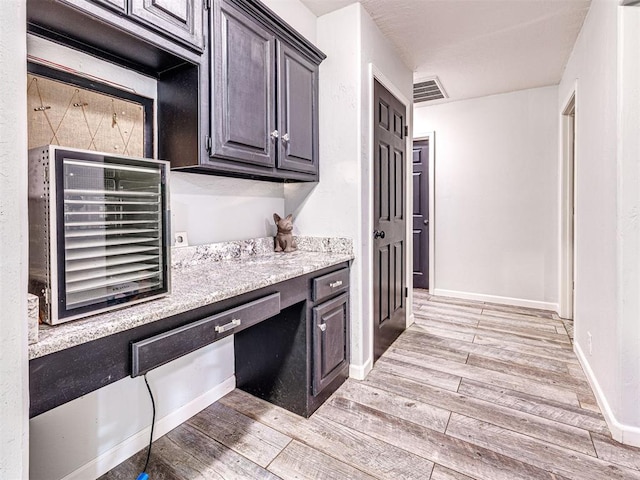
(154, 351)
(329, 284)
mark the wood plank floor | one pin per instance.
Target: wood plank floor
(470, 391)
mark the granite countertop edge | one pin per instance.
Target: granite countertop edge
(193, 286)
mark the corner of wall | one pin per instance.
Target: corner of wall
(14, 389)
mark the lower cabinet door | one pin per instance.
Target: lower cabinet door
(330, 341)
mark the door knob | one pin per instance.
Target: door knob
(426, 222)
(285, 138)
(378, 234)
(275, 134)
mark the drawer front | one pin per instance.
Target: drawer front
(329, 284)
(154, 351)
(330, 341)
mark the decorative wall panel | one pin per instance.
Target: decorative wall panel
(71, 116)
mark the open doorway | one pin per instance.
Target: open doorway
(567, 273)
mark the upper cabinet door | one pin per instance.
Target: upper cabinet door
(243, 114)
(180, 19)
(298, 110)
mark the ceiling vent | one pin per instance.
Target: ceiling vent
(427, 90)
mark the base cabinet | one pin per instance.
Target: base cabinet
(299, 357)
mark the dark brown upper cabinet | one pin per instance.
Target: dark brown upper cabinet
(108, 29)
(180, 19)
(118, 5)
(244, 89)
(264, 96)
(298, 111)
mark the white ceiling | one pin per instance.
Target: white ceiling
(477, 47)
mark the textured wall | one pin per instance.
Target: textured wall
(14, 399)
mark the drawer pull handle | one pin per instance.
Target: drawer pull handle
(336, 284)
(225, 328)
(322, 327)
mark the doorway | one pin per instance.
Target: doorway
(421, 214)
(389, 223)
(567, 280)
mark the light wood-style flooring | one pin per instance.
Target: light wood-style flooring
(470, 391)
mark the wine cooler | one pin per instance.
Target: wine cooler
(98, 231)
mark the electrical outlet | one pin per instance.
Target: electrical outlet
(181, 239)
(590, 343)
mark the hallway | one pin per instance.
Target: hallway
(470, 391)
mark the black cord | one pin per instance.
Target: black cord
(153, 422)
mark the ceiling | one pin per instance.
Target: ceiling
(477, 47)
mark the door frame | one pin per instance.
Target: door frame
(376, 74)
(568, 205)
(431, 137)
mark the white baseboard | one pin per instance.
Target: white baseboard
(480, 297)
(627, 434)
(411, 319)
(140, 440)
(359, 372)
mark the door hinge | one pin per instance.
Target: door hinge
(406, 292)
(207, 143)
(207, 4)
(406, 130)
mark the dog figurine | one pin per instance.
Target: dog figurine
(284, 241)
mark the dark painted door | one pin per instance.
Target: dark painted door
(389, 241)
(421, 214)
(298, 111)
(244, 89)
(180, 19)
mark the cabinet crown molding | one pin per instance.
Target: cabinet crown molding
(265, 16)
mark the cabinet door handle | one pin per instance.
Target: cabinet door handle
(322, 327)
(336, 284)
(232, 324)
(275, 134)
(285, 138)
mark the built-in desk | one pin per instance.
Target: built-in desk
(289, 358)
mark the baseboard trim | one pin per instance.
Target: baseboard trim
(359, 372)
(626, 434)
(140, 440)
(480, 297)
(411, 319)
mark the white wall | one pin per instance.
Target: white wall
(496, 206)
(341, 204)
(14, 393)
(89, 435)
(217, 209)
(629, 228)
(593, 65)
(296, 14)
(605, 67)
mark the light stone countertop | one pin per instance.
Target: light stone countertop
(193, 284)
